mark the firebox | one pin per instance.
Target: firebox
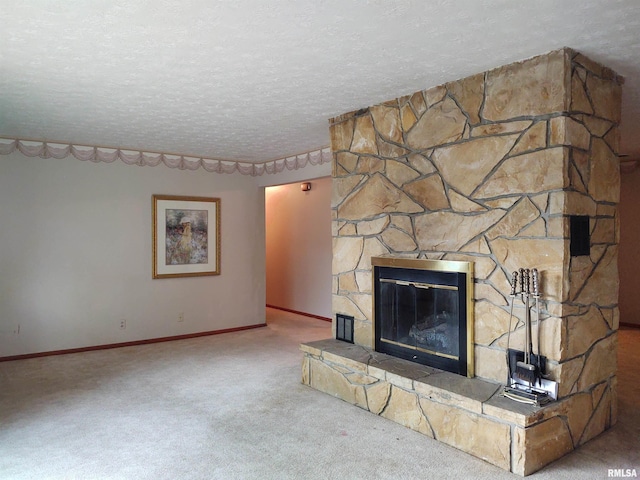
(423, 311)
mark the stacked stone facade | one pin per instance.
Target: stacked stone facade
(489, 169)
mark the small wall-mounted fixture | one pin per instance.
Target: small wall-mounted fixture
(305, 187)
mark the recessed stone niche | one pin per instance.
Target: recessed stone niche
(487, 169)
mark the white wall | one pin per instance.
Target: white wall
(75, 255)
(299, 251)
(629, 263)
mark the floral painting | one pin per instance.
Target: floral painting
(186, 236)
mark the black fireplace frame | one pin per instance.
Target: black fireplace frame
(437, 272)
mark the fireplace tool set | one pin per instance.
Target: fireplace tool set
(527, 381)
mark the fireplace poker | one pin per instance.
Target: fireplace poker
(514, 288)
(536, 294)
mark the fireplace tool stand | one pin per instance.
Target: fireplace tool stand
(527, 381)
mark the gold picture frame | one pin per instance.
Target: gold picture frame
(186, 236)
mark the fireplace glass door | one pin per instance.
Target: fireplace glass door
(421, 315)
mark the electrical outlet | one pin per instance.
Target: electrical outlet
(123, 324)
(181, 317)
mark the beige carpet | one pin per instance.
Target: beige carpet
(232, 407)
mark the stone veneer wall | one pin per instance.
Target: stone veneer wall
(488, 169)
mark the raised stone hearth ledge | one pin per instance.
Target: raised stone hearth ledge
(467, 413)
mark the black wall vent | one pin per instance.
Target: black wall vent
(580, 240)
(344, 328)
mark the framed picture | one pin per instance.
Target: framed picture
(186, 236)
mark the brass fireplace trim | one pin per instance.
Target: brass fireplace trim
(439, 266)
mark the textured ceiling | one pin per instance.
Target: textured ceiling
(256, 80)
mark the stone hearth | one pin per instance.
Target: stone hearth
(467, 413)
(488, 169)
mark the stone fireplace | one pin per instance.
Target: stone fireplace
(423, 312)
(487, 170)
